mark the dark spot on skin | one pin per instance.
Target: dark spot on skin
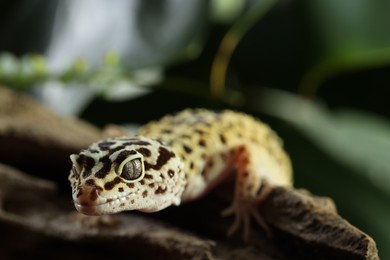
(144, 151)
(105, 159)
(136, 142)
(93, 151)
(120, 189)
(210, 163)
(151, 185)
(159, 141)
(144, 194)
(160, 190)
(111, 184)
(192, 165)
(90, 182)
(105, 145)
(199, 131)
(166, 131)
(187, 149)
(130, 185)
(122, 205)
(255, 140)
(171, 173)
(222, 138)
(86, 163)
(241, 149)
(123, 155)
(148, 176)
(142, 182)
(202, 143)
(185, 136)
(132, 201)
(87, 173)
(163, 158)
(245, 174)
(118, 148)
(102, 173)
(74, 172)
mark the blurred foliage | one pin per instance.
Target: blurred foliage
(337, 53)
(348, 35)
(31, 69)
(349, 160)
(230, 42)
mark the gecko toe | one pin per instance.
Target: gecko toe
(243, 212)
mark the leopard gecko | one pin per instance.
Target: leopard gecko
(178, 159)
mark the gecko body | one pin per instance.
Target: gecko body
(180, 158)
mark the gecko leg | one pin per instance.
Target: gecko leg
(249, 194)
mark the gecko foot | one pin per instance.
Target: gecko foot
(243, 211)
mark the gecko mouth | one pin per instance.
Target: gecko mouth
(86, 209)
(101, 206)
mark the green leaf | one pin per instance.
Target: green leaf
(346, 35)
(343, 154)
(359, 140)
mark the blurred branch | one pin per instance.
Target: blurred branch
(337, 65)
(231, 40)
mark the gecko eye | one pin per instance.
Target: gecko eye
(132, 170)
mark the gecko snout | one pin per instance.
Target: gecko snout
(88, 198)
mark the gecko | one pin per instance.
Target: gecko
(180, 158)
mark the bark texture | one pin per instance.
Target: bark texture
(37, 218)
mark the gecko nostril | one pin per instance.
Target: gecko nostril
(94, 193)
(89, 194)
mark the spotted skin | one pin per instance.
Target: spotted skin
(183, 157)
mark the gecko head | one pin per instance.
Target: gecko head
(126, 173)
